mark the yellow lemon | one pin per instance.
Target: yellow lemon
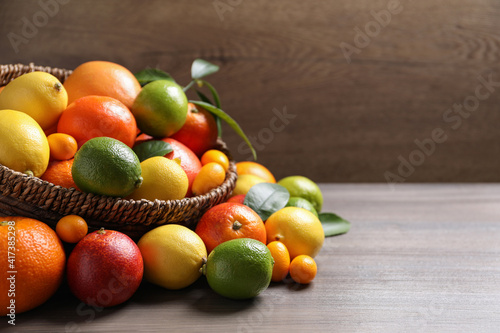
(37, 94)
(23, 144)
(245, 182)
(163, 179)
(297, 228)
(173, 256)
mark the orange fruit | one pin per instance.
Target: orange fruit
(199, 132)
(190, 163)
(142, 137)
(281, 260)
(51, 130)
(33, 260)
(240, 198)
(95, 116)
(214, 155)
(303, 269)
(59, 173)
(71, 228)
(211, 175)
(102, 78)
(256, 169)
(62, 146)
(228, 221)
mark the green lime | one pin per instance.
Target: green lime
(106, 166)
(240, 268)
(161, 108)
(300, 186)
(301, 203)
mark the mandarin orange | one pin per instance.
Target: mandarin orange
(32, 265)
(102, 78)
(94, 116)
(59, 173)
(62, 146)
(228, 221)
(303, 269)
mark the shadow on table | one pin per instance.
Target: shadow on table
(65, 310)
(199, 296)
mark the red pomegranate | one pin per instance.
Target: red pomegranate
(105, 268)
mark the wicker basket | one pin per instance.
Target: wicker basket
(28, 196)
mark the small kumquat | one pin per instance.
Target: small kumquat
(214, 155)
(303, 269)
(281, 260)
(62, 146)
(210, 176)
(71, 228)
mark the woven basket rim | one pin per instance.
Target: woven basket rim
(22, 192)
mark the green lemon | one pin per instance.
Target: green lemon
(301, 203)
(300, 186)
(240, 268)
(106, 166)
(160, 108)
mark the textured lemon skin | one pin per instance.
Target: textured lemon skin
(173, 256)
(38, 94)
(23, 144)
(245, 182)
(163, 179)
(299, 229)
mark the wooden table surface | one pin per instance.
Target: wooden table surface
(418, 258)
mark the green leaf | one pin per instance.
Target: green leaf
(152, 148)
(266, 198)
(333, 224)
(230, 121)
(201, 68)
(219, 127)
(215, 95)
(204, 97)
(152, 74)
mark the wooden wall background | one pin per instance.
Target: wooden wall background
(352, 120)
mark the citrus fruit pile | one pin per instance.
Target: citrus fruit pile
(101, 132)
(109, 132)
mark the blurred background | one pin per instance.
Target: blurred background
(338, 91)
